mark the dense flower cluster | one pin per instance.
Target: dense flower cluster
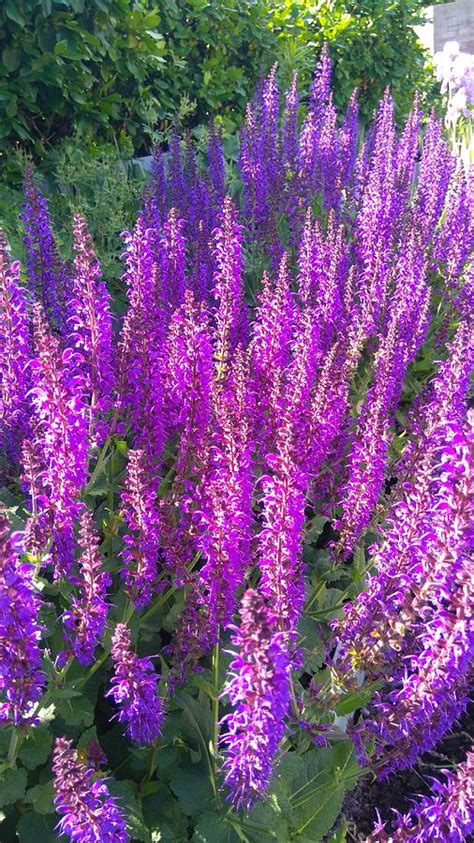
(15, 354)
(85, 620)
(89, 813)
(134, 689)
(446, 814)
(259, 689)
(455, 71)
(21, 677)
(297, 353)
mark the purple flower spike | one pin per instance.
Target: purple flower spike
(142, 539)
(91, 322)
(21, 678)
(46, 273)
(445, 816)
(85, 621)
(89, 813)
(228, 287)
(15, 354)
(259, 691)
(134, 689)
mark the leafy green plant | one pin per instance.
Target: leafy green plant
(372, 44)
(115, 65)
(74, 63)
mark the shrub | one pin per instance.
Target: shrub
(112, 66)
(234, 542)
(373, 46)
(75, 64)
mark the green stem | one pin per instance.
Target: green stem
(314, 595)
(98, 465)
(151, 764)
(12, 749)
(215, 701)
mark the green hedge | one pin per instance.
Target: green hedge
(114, 65)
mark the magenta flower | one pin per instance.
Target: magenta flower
(259, 691)
(135, 690)
(142, 539)
(91, 324)
(85, 620)
(15, 355)
(21, 677)
(89, 813)
(447, 814)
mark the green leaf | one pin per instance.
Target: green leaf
(268, 816)
(126, 793)
(315, 784)
(11, 58)
(196, 723)
(12, 786)
(12, 11)
(340, 834)
(41, 797)
(358, 699)
(12, 107)
(36, 748)
(78, 711)
(40, 829)
(162, 815)
(211, 828)
(192, 787)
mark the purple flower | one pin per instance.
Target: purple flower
(46, 273)
(85, 621)
(454, 240)
(228, 288)
(418, 612)
(290, 128)
(447, 814)
(135, 690)
(270, 350)
(15, 354)
(259, 691)
(142, 539)
(140, 385)
(91, 323)
(320, 89)
(348, 138)
(21, 678)
(89, 813)
(436, 167)
(60, 430)
(216, 164)
(172, 261)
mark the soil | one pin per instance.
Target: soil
(401, 789)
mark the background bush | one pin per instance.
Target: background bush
(114, 65)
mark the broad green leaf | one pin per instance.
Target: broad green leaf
(78, 711)
(126, 793)
(11, 58)
(13, 12)
(163, 815)
(36, 748)
(212, 828)
(358, 699)
(12, 786)
(34, 828)
(192, 787)
(41, 797)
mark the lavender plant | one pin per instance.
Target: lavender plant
(236, 535)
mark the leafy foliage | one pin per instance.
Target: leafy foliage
(112, 66)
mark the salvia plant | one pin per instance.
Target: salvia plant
(236, 526)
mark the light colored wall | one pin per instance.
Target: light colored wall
(454, 22)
